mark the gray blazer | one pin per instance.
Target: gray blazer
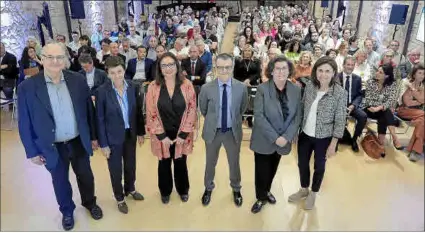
(269, 123)
(331, 110)
(209, 104)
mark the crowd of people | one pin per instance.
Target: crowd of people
(156, 75)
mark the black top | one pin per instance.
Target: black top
(247, 69)
(283, 100)
(171, 112)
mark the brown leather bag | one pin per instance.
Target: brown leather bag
(371, 145)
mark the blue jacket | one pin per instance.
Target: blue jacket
(100, 77)
(109, 120)
(356, 89)
(149, 69)
(36, 123)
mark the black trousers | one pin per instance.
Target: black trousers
(73, 153)
(265, 170)
(385, 118)
(124, 154)
(306, 146)
(165, 176)
(7, 86)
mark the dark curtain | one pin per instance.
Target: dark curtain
(44, 19)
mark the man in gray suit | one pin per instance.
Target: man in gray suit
(277, 113)
(222, 102)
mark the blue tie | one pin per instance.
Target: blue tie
(224, 110)
(347, 87)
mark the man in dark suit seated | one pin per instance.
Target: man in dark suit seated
(8, 72)
(94, 77)
(352, 83)
(120, 123)
(57, 127)
(195, 69)
(140, 69)
(114, 48)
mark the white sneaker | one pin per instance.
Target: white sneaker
(309, 201)
(302, 193)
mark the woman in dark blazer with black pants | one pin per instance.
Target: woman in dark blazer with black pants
(323, 123)
(120, 124)
(277, 114)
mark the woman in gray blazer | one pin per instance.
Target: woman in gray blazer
(277, 114)
(323, 123)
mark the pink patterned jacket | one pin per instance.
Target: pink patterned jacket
(154, 123)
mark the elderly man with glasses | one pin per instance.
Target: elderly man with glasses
(57, 128)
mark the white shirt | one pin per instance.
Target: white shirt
(135, 40)
(363, 70)
(350, 81)
(100, 54)
(130, 54)
(90, 78)
(310, 125)
(183, 28)
(74, 46)
(327, 43)
(140, 70)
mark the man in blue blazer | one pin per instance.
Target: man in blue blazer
(141, 63)
(352, 83)
(56, 126)
(120, 122)
(94, 77)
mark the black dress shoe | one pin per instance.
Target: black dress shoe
(270, 198)
(355, 146)
(136, 196)
(96, 212)
(237, 198)
(206, 198)
(184, 197)
(258, 205)
(165, 199)
(67, 222)
(123, 208)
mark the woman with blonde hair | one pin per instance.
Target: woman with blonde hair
(361, 67)
(342, 53)
(304, 66)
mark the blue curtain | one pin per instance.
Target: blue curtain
(130, 7)
(44, 19)
(340, 8)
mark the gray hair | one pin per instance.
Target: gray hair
(64, 50)
(125, 39)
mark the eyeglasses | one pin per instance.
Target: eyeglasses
(280, 70)
(59, 58)
(169, 65)
(224, 68)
